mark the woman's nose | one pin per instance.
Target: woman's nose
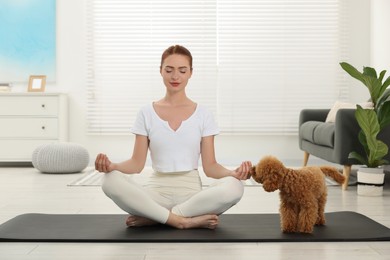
(175, 74)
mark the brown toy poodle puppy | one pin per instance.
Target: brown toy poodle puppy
(303, 192)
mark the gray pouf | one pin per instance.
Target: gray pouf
(60, 158)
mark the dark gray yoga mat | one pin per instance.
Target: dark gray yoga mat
(341, 226)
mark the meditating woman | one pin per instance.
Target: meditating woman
(177, 131)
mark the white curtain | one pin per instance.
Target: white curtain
(257, 63)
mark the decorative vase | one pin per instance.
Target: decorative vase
(370, 181)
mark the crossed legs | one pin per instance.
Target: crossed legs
(200, 210)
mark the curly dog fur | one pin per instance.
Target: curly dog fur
(303, 192)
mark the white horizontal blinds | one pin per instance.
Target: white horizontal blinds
(125, 43)
(343, 54)
(257, 63)
(275, 58)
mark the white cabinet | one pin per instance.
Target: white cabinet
(28, 120)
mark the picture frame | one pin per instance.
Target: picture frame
(37, 83)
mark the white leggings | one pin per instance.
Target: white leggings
(181, 193)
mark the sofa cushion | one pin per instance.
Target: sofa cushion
(331, 118)
(318, 132)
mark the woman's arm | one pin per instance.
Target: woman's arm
(213, 169)
(134, 165)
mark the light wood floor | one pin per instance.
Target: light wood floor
(24, 190)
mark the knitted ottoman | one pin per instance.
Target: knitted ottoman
(60, 158)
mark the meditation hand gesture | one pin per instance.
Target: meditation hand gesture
(103, 164)
(243, 171)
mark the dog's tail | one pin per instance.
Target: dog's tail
(333, 173)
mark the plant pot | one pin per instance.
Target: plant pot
(370, 181)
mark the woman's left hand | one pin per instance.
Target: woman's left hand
(243, 171)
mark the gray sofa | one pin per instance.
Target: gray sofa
(332, 141)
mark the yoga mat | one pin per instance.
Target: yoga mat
(341, 226)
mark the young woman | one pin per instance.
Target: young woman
(176, 131)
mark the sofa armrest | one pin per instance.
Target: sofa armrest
(313, 115)
(345, 120)
(346, 135)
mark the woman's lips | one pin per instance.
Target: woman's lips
(175, 84)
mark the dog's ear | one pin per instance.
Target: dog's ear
(257, 174)
(253, 171)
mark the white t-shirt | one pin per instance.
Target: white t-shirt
(175, 151)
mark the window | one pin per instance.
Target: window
(257, 63)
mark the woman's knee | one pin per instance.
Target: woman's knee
(234, 189)
(110, 181)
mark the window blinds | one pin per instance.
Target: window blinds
(257, 63)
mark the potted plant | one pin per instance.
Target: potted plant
(371, 122)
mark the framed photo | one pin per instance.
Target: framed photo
(37, 83)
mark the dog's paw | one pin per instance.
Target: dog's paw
(307, 230)
(289, 230)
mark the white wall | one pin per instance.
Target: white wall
(359, 48)
(380, 37)
(231, 150)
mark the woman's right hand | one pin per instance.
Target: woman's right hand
(243, 171)
(103, 164)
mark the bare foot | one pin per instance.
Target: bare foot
(205, 221)
(137, 221)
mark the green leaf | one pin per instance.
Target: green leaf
(368, 122)
(351, 70)
(385, 97)
(369, 72)
(374, 87)
(363, 140)
(382, 75)
(382, 88)
(387, 82)
(358, 157)
(377, 152)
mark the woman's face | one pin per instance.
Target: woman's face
(176, 72)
